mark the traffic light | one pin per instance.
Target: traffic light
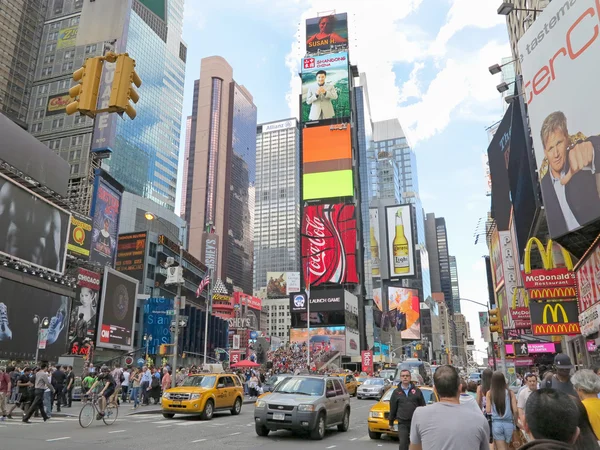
(85, 94)
(183, 355)
(495, 321)
(162, 350)
(122, 91)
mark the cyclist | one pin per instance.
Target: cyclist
(104, 379)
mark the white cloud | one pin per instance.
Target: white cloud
(381, 38)
(194, 15)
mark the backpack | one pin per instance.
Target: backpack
(155, 382)
(121, 377)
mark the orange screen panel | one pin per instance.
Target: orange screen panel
(325, 144)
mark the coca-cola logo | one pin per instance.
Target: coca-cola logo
(329, 244)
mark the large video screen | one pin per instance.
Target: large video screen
(19, 305)
(401, 249)
(31, 228)
(325, 87)
(105, 226)
(319, 319)
(333, 338)
(84, 311)
(326, 33)
(117, 311)
(404, 312)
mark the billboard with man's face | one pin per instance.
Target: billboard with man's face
(327, 33)
(325, 87)
(31, 228)
(559, 54)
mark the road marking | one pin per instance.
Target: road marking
(165, 426)
(331, 446)
(199, 440)
(353, 439)
(117, 431)
(57, 439)
(235, 434)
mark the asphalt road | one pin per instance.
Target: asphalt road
(144, 431)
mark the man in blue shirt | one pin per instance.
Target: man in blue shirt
(145, 385)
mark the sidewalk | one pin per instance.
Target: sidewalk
(125, 408)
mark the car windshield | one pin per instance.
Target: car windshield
(427, 395)
(373, 382)
(386, 373)
(275, 379)
(386, 397)
(303, 386)
(361, 379)
(200, 381)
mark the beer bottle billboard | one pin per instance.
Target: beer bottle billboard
(400, 241)
(374, 242)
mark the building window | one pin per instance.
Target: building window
(39, 102)
(75, 20)
(49, 59)
(152, 250)
(67, 66)
(69, 54)
(50, 48)
(43, 89)
(79, 119)
(46, 71)
(57, 123)
(64, 84)
(74, 169)
(39, 114)
(53, 36)
(77, 140)
(54, 144)
(74, 155)
(150, 271)
(90, 48)
(36, 127)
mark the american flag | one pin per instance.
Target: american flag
(202, 285)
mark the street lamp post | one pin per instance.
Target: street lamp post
(487, 307)
(40, 322)
(147, 339)
(150, 217)
(208, 308)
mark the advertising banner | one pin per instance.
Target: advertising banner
(484, 326)
(588, 279)
(131, 255)
(249, 310)
(293, 282)
(235, 357)
(557, 53)
(534, 347)
(404, 312)
(327, 33)
(117, 311)
(549, 282)
(80, 236)
(83, 312)
(157, 323)
(32, 229)
(510, 275)
(320, 301)
(67, 37)
(277, 285)
(374, 242)
(210, 244)
(496, 259)
(401, 249)
(327, 162)
(19, 304)
(554, 318)
(333, 338)
(106, 208)
(366, 357)
(589, 320)
(377, 308)
(329, 244)
(351, 322)
(521, 317)
(498, 152)
(57, 104)
(325, 88)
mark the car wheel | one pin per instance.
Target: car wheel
(237, 407)
(346, 421)
(209, 410)
(168, 415)
(374, 435)
(318, 432)
(261, 430)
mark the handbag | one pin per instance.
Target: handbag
(517, 439)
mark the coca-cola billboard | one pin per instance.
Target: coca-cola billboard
(329, 244)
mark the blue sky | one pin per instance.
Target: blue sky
(426, 64)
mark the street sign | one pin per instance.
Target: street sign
(521, 349)
(253, 334)
(471, 348)
(141, 361)
(182, 302)
(170, 312)
(128, 361)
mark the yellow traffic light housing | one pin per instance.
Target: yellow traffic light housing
(122, 91)
(162, 350)
(495, 321)
(85, 94)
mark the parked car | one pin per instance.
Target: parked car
(349, 381)
(304, 403)
(373, 388)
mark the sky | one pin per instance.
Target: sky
(426, 64)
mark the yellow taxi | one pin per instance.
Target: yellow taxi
(380, 412)
(350, 381)
(203, 395)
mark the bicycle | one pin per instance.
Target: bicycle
(90, 411)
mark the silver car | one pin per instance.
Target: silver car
(304, 404)
(373, 388)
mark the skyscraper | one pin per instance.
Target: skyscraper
(454, 285)
(143, 152)
(221, 174)
(277, 205)
(186, 161)
(20, 22)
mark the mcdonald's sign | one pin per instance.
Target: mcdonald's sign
(549, 282)
(554, 318)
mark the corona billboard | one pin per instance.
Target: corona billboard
(550, 282)
(554, 318)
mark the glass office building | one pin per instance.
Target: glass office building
(277, 205)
